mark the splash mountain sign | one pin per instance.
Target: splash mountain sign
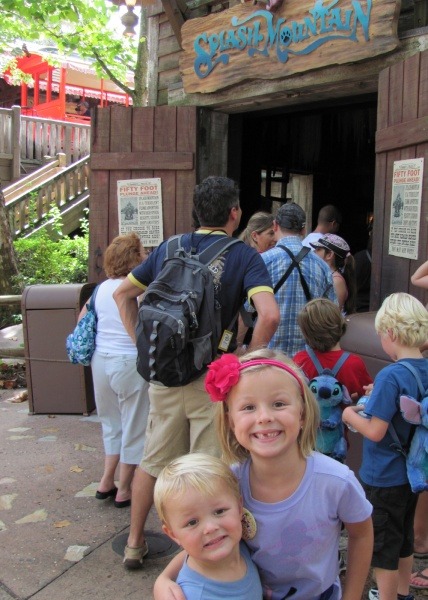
(247, 43)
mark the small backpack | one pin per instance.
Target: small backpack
(416, 450)
(179, 319)
(330, 394)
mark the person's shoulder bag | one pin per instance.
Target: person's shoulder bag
(80, 345)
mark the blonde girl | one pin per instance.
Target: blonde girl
(296, 498)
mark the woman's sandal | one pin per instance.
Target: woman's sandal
(419, 575)
(104, 495)
(133, 557)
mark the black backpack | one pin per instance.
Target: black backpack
(179, 319)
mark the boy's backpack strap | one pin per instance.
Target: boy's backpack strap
(335, 370)
(295, 260)
(397, 445)
(314, 359)
(414, 372)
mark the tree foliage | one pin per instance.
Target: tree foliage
(49, 257)
(8, 260)
(82, 26)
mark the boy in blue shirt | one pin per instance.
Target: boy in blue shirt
(402, 323)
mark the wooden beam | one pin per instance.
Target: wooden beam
(171, 161)
(10, 300)
(198, 4)
(405, 134)
(175, 17)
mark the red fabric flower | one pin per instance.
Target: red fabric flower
(222, 375)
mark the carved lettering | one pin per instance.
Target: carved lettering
(262, 34)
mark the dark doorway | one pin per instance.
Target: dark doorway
(334, 143)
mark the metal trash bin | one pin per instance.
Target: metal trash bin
(55, 385)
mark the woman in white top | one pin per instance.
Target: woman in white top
(121, 394)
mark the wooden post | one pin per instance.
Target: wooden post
(68, 146)
(62, 159)
(16, 142)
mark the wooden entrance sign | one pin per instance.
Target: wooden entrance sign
(248, 42)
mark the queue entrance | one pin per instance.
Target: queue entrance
(314, 155)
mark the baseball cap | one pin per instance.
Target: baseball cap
(291, 216)
(334, 243)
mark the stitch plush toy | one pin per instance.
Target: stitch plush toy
(330, 395)
(417, 459)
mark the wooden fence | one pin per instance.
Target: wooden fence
(29, 200)
(26, 140)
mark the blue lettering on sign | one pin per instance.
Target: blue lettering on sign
(259, 34)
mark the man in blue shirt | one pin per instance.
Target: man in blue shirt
(289, 226)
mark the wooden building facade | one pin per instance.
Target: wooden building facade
(324, 131)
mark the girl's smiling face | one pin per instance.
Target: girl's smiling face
(265, 412)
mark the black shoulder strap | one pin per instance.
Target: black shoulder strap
(217, 248)
(208, 255)
(295, 260)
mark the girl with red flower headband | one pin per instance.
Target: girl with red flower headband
(295, 498)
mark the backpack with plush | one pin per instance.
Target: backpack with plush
(330, 394)
(80, 345)
(416, 450)
(179, 319)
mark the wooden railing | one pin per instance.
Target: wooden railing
(28, 139)
(29, 200)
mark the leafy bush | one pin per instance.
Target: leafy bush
(44, 258)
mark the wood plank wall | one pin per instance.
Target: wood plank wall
(402, 132)
(166, 52)
(130, 143)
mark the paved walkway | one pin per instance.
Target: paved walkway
(56, 540)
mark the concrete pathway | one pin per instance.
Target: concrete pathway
(56, 540)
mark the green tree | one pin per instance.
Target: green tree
(8, 260)
(82, 26)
